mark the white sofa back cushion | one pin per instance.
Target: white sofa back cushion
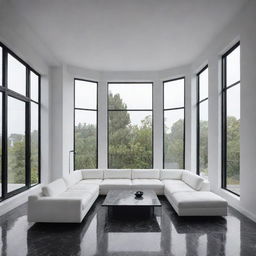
(192, 179)
(171, 174)
(54, 188)
(73, 178)
(92, 174)
(145, 174)
(117, 174)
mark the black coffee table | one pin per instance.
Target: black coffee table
(122, 203)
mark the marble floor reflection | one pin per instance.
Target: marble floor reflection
(100, 234)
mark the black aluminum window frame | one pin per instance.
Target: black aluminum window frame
(198, 102)
(6, 93)
(184, 122)
(224, 118)
(85, 109)
(152, 111)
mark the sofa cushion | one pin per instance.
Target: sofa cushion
(171, 174)
(54, 188)
(117, 174)
(173, 186)
(152, 184)
(73, 178)
(145, 174)
(90, 188)
(198, 199)
(91, 181)
(192, 180)
(84, 196)
(92, 173)
(110, 184)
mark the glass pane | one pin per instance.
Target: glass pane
(174, 94)
(1, 101)
(1, 67)
(233, 66)
(85, 94)
(16, 144)
(85, 139)
(130, 96)
(16, 75)
(233, 139)
(203, 84)
(130, 139)
(34, 144)
(34, 86)
(173, 139)
(203, 139)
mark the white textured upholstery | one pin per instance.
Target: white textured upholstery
(151, 184)
(171, 174)
(92, 173)
(202, 199)
(173, 186)
(145, 174)
(54, 188)
(200, 203)
(117, 174)
(205, 186)
(110, 184)
(70, 198)
(91, 188)
(73, 178)
(192, 179)
(91, 181)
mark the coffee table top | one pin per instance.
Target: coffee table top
(127, 198)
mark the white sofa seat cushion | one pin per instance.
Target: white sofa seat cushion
(171, 174)
(54, 188)
(90, 188)
(173, 186)
(145, 174)
(192, 180)
(198, 199)
(92, 173)
(110, 184)
(117, 174)
(84, 196)
(152, 184)
(91, 181)
(73, 178)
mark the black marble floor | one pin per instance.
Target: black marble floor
(100, 234)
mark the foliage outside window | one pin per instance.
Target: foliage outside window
(130, 125)
(202, 122)
(174, 139)
(231, 120)
(85, 124)
(19, 124)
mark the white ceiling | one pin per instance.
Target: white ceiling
(127, 35)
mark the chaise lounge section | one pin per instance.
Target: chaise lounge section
(69, 199)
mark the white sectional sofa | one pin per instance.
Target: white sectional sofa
(69, 199)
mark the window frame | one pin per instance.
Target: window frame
(198, 102)
(6, 92)
(224, 90)
(152, 111)
(177, 108)
(85, 109)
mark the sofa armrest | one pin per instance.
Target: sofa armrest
(205, 186)
(54, 209)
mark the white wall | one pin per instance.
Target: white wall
(241, 28)
(18, 37)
